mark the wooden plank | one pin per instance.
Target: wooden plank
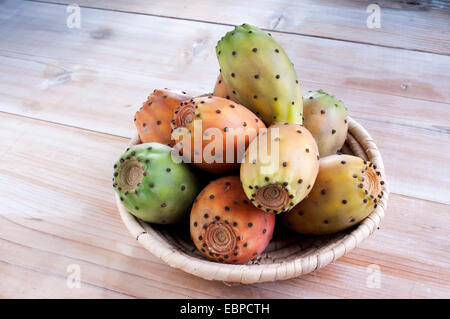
(58, 209)
(164, 49)
(62, 83)
(48, 89)
(85, 96)
(414, 25)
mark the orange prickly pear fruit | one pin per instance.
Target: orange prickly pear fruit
(153, 118)
(213, 132)
(226, 227)
(221, 89)
(346, 191)
(280, 167)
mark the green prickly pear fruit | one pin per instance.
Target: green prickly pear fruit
(326, 118)
(280, 167)
(152, 186)
(260, 75)
(346, 191)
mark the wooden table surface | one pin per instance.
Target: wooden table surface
(67, 100)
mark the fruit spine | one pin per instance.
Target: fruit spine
(147, 180)
(326, 118)
(225, 227)
(260, 75)
(280, 167)
(346, 191)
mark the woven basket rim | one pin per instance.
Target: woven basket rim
(359, 142)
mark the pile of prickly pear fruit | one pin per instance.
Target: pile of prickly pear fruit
(267, 153)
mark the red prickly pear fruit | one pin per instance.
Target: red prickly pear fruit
(346, 191)
(152, 121)
(213, 132)
(226, 227)
(326, 118)
(280, 167)
(221, 89)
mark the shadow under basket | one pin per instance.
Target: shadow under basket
(288, 255)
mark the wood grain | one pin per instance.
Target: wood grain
(78, 223)
(61, 83)
(152, 47)
(424, 128)
(414, 25)
(49, 89)
(67, 97)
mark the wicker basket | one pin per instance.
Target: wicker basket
(288, 254)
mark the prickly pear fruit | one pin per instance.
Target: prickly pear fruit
(260, 75)
(213, 132)
(152, 186)
(153, 118)
(225, 227)
(280, 167)
(222, 90)
(326, 118)
(346, 191)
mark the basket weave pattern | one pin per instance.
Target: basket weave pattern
(288, 255)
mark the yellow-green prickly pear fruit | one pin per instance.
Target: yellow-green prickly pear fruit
(346, 191)
(260, 75)
(326, 118)
(280, 167)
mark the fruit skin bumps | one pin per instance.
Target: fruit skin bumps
(280, 167)
(327, 119)
(260, 75)
(152, 121)
(346, 191)
(152, 186)
(226, 227)
(213, 132)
